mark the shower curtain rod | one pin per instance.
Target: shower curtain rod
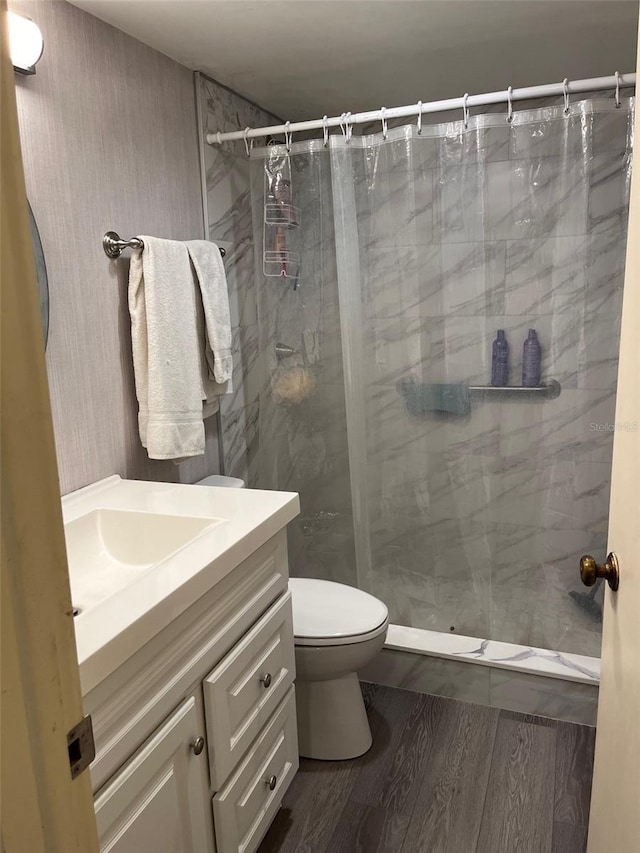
(566, 88)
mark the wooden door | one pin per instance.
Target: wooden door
(614, 825)
(160, 800)
(44, 809)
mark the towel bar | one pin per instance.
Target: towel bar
(114, 245)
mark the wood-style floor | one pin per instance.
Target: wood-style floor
(444, 776)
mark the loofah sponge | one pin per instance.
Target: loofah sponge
(292, 385)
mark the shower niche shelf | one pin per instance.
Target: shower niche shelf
(548, 390)
(422, 398)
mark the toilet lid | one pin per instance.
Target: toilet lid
(327, 613)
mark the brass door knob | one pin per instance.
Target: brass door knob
(590, 571)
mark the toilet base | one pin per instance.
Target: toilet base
(332, 720)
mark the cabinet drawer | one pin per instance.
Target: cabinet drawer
(245, 688)
(245, 807)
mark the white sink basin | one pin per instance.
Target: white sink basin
(141, 553)
(109, 548)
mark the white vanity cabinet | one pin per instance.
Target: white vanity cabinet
(196, 737)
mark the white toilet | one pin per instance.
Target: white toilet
(337, 630)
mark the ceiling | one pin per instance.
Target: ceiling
(300, 59)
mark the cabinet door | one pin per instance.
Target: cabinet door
(158, 802)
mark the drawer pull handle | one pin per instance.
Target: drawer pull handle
(198, 745)
(272, 781)
(266, 680)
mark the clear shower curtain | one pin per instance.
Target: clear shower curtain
(303, 431)
(470, 521)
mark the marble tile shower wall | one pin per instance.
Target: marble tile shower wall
(477, 523)
(229, 220)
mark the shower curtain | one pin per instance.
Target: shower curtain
(302, 425)
(414, 249)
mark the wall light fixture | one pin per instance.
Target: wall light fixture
(26, 43)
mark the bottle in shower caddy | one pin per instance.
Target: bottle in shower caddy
(280, 247)
(500, 360)
(531, 361)
(282, 194)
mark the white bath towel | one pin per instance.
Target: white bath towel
(212, 281)
(166, 357)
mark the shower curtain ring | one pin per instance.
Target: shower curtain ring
(287, 136)
(383, 117)
(419, 118)
(465, 110)
(325, 131)
(565, 92)
(510, 104)
(346, 126)
(617, 75)
(248, 144)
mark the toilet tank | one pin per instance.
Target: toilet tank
(222, 482)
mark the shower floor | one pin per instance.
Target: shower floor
(444, 775)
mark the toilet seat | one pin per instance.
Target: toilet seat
(333, 614)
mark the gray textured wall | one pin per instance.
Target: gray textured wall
(109, 139)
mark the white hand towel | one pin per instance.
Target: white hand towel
(212, 281)
(166, 359)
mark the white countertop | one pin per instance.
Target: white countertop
(110, 631)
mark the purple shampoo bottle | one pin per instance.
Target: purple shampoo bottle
(531, 361)
(500, 360)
